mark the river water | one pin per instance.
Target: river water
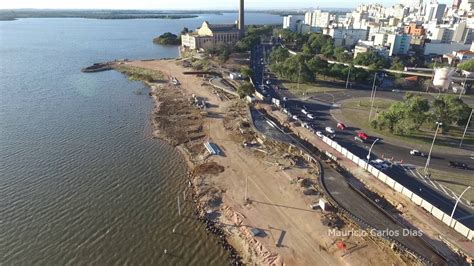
(81, 179)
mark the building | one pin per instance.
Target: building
(456, 4)
(434, 11)
(289, 22)
(209, 35)
(446, 33)
(444, 48)
(215, 34)
(467, 5)
(317, 18)
(346, 37)
(399, 44)
(414, 29)
(364, 47)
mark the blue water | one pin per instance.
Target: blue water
(81, 179)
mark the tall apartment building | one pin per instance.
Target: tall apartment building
(434, 11)
(289, 22)
(399, 44)
(346, 37)
(317, 18)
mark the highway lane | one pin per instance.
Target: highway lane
(348, 198)
(346, 139)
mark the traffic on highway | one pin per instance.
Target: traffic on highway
(394, 160)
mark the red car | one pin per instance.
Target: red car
(341, 126)
(362, 135)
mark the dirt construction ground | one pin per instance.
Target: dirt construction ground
(278, 207)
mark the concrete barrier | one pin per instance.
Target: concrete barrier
(398, 187)
(447, 220)
(427, 206)
(470, 236)
(416, 199)
(462, 229)
(407, 192)
(375, 172)
(458, 226)
(382, 177)
(438, 213)
(390, 182)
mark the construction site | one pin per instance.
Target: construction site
(260, 192)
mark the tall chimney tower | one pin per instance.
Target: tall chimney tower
(241, 19)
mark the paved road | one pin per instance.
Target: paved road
(346, 139)
(348, 198)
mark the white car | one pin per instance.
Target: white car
(285, 111)
(285, 99)
(268, 82)
(295, 117)
(310, 116)
(319, 134)
(330, 130)
(304, 111)
(305, 125)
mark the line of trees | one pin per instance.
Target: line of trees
(407, 117)
(311, 63)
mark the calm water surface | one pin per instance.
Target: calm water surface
(81, 179)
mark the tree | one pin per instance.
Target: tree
(224, 54)
(467, 65)
(404, 117)
(245, 89)
(318, 66)
(449, 109)
(279, 54)
(167, 38)
(246, 71)
(341, 55)
(371, 59)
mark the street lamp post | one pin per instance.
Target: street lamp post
(464, 85)
(370, 150)
(456, 204)
(348, 75)
(372, 95)
(438, 124)
(465, 129)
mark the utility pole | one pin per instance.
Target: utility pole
(465, 129)
(348, 75)
(372, 96)
(429, 154)
(299, 74)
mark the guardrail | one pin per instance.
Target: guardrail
(439, 214)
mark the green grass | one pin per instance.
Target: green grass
(140, 74)
(356, 113)
(311, 88)
(455, 182)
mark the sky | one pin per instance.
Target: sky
(186, 4)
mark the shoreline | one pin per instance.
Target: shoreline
(278, 201)
(199, 210)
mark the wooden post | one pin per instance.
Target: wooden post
(246, 189)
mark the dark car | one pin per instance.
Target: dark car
(458, 165)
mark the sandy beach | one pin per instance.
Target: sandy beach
(291, 232)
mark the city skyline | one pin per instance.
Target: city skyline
(188, 4)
